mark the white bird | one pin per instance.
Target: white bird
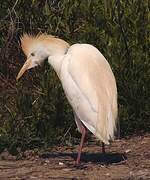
(87, 80)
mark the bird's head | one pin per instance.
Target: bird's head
(38, 48)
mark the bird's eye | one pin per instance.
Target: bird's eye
(32, 54)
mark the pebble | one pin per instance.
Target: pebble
(61, 163)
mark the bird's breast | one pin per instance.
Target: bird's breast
(76, 98)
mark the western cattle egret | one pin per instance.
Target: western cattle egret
(87, 80)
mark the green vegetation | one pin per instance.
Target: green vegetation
(34, 112)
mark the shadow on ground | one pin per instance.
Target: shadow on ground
(98, 158)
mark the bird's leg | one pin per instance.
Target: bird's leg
(83, 132)
(103, 148)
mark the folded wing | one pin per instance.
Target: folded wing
(94, 77)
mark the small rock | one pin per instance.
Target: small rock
(143, 142)
(47, 161)
(33, 177)
(107, 174)
(66, 169)
(131, 173)
(61, 163)
(128, 150)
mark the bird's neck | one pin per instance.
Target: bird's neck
(56, 58)
(56, 62)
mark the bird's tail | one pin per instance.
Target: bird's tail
(106, 124)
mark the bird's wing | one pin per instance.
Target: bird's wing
(93, 76)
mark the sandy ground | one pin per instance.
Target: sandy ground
(125, 159)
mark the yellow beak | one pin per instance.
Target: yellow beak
(27, 65)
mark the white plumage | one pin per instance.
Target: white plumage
(90, 87)
(86, 77)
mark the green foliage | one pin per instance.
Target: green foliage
(34, 112)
